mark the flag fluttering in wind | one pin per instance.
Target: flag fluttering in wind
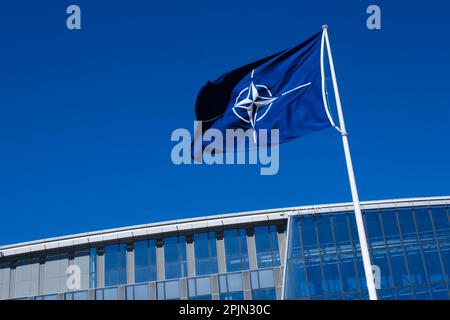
(284, 91)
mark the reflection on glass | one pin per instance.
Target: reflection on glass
(145, 260)
(266, 242)
(236, 249)
(175, 257)
(115, 264)
(205, 253)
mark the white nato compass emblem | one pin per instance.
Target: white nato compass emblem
(254, 102)
(251, 101)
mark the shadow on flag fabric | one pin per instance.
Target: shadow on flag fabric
(284, 91)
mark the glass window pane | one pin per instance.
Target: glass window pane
(416, 265)
(110, 294)
(266, 278)
(172, 290)
(27, 278)
(315, 279)
(308, 233)
(445, 254)
(203, 286)
(199, 288)
(82, 261)
(433, 264)
(160, 289)
(145, 260)
(55, 276)
(76, 295)
(424, 223)
(236, 249)
(399, 270)
(407, 225)
(373, 227)
(330, 269)
(254, 279)
(107, 294)
(205, 253)
(341, 231)
(441, 222)
(4, 280)
(115, 264)
(141, 292)
(234, 282)
(264, 294)
(380, 259)
(47, 297)
(237, 295)
(390, 226)
(348, 271)
(266, 242)
(323, 225)
(175, 257)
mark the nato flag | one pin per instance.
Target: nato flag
(284, 91)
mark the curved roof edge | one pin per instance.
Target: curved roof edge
(183, 225)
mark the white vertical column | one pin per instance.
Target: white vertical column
(251, 248)
(160, 267)
(130, 262)
(221, 257)
(100, 267)
(351, 176)
(190, 255)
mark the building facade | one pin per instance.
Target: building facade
(244, 256)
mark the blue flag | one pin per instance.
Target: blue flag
(284, 91)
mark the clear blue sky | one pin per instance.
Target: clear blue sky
(86, 116)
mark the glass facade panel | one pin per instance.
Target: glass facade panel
(264, 294)
(82, 261)
(407, 225)
(93, 268)
(145, 261)
(441, 223)
(236, 249)
(374, 229)
(27, 278)
(445, 254)
(341, 230)
(47, 297)
(263, 285)
(200, 288)
(115, 264)
(168, 290)
(107, 294)
(175, 257)
(433, 264)
(230, 286)
(237, 295)
(424, 225)
(266, 242)
(205, 253)
(76, 295)
(137, 292)
(390, 227)
(406, 244)
(4, 280)
(325, 234)
(308, 234)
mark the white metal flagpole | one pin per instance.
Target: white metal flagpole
(351, 176)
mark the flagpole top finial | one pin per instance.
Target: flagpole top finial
(325, 26)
